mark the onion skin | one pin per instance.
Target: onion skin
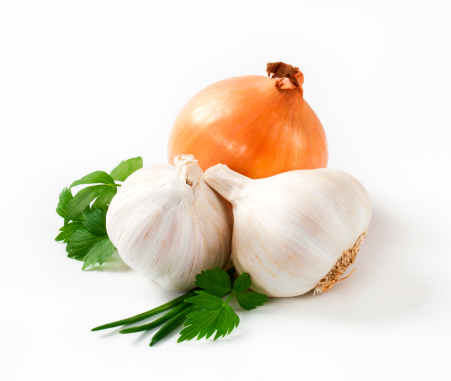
(252, 126)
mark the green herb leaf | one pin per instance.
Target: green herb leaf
(91, 248)
(80, 243)
(95, 221)
(99, 253)
(205, 301)
(90, 242)
(97, 177)
(126, 168)
(215, 282)
(227, 321)
(250, 300)
(83, 198)
(204, 323)
(247, 300)
(242, 283)
(64, 198)
(104, 198)
(68, 230)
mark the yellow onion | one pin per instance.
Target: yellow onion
(258, 126)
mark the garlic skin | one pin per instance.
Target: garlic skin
(168, 224)
(291, 229)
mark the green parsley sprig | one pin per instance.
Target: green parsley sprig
(84, 229)
(203, 310)
(212, 313)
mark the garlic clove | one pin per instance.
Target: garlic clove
(169, 225)
(290, 230)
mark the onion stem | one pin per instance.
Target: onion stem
(171, 325)
(134, 319)
(167, 316)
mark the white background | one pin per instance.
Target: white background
(86, 84)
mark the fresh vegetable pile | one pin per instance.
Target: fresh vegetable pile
(293, 227)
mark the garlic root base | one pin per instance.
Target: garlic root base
(333, 276)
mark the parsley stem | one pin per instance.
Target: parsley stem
(134, 319)
(172, 324)
(230, 297)
(167, 316)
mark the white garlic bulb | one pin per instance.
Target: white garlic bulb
(169, 225)
(295, 231)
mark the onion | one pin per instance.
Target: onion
(257, 126)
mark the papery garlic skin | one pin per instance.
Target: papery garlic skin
(291, 229)
(169, 225)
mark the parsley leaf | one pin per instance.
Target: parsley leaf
(81, 201)
(83, 198)
(242, 283)
(227, 321)
(64, 198)
(250, 300)
(68, 230)
(80, 243)
(97, 177)
(105, 196)
(205, 301)
(215, 282)
(247, 300)
(99, 253)
(215, 316)
(89, 241)
(126, 168)
(95, 221)
(85, 246)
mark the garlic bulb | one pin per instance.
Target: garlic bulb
(169, 225)
(295, 231)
